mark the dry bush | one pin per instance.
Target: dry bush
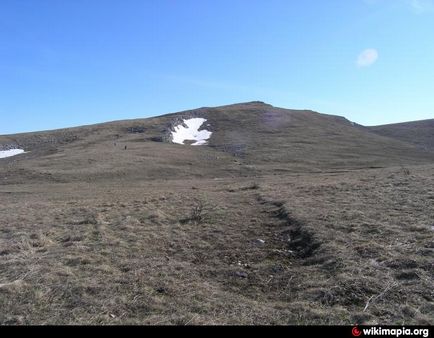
(196, 214)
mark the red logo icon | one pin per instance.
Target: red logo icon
(356, 332)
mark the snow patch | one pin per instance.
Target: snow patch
(188, 130)
(10, 152)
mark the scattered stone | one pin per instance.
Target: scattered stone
(241, 274)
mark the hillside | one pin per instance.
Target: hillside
(420, 133)
(247, 139)
(259, 215)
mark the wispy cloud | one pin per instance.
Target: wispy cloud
(367, 58)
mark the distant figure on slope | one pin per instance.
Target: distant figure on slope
(125, 147)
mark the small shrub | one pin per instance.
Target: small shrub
(405, 171)
(196, 214)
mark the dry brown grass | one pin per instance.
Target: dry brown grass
(284, 223)
(329, 245)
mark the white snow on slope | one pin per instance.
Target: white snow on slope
(10, 152)
(191, 132)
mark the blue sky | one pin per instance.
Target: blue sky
(72, 62)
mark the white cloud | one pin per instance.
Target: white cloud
(367, 58)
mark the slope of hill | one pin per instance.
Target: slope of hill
(420, 133)
(275, 216)
(247, 139)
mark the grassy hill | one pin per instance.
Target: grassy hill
(420, 133)
(285, 217)
(248, 139)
